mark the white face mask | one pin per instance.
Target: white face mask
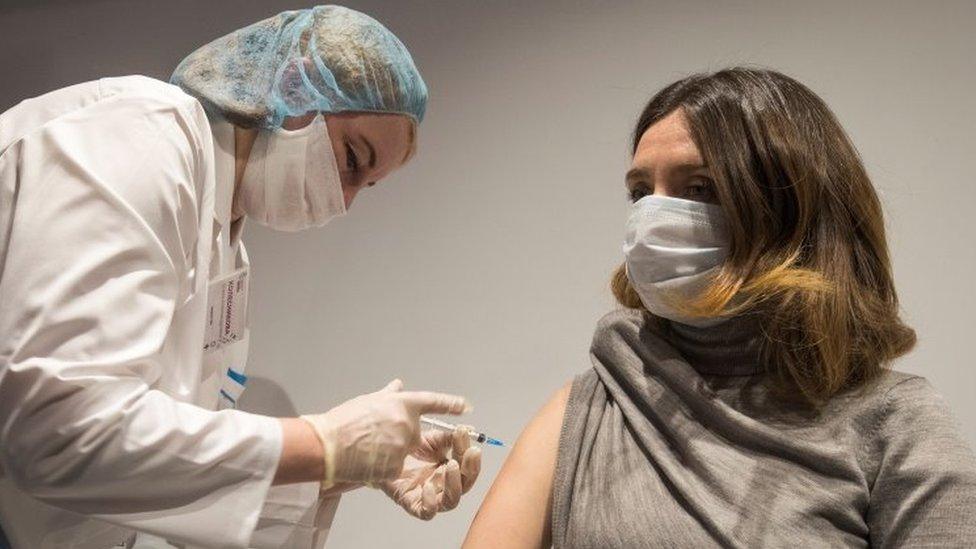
(673, 247)
(291, 181)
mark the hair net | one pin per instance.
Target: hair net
(327, 58)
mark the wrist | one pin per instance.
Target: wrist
(302, 453)
(327, 445)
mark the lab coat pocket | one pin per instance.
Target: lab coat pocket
(223, 377)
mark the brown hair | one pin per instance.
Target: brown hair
(808, 249)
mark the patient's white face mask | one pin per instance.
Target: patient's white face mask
(291, 181)
(672, 248)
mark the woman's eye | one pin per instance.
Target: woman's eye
(700, 191)
(352, 162)
(637, 193)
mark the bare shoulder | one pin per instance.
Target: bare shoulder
(515, 513)
(551, 414)
(538, 444)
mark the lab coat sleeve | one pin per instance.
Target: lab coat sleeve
(101, 259)
(296, 515)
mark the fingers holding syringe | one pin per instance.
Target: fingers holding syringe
(468, 457)
(451, 494)
(460, 441)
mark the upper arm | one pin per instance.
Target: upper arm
(516, 511)
(99, 300)
(925, 489)
(101, 253)
(103, 231)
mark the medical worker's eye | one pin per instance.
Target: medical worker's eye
(352, 161)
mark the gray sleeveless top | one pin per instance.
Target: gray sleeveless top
(671, 440)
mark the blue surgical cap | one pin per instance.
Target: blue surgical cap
(327, 58)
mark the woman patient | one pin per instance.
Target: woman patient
(742, 398)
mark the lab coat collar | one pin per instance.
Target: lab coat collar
(228, 251)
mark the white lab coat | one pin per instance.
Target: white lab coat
(114, 218)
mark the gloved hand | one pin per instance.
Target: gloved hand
(436, 473)
(366, 439)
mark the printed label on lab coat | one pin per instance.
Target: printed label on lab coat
(226, 310)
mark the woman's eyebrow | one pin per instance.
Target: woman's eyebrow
(688, 166)
(636, 174)
(644, 173)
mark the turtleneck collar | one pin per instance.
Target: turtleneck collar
(731, 348)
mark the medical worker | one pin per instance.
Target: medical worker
(123, 288)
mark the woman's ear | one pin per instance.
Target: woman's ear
(293, 89)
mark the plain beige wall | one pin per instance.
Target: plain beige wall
(482, 267)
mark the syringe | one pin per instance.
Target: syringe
(475, 436)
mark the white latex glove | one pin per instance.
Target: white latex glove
(366, 439)
(444, 466)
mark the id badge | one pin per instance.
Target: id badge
(226, 319)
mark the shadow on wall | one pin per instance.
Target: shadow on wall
(264, 396)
